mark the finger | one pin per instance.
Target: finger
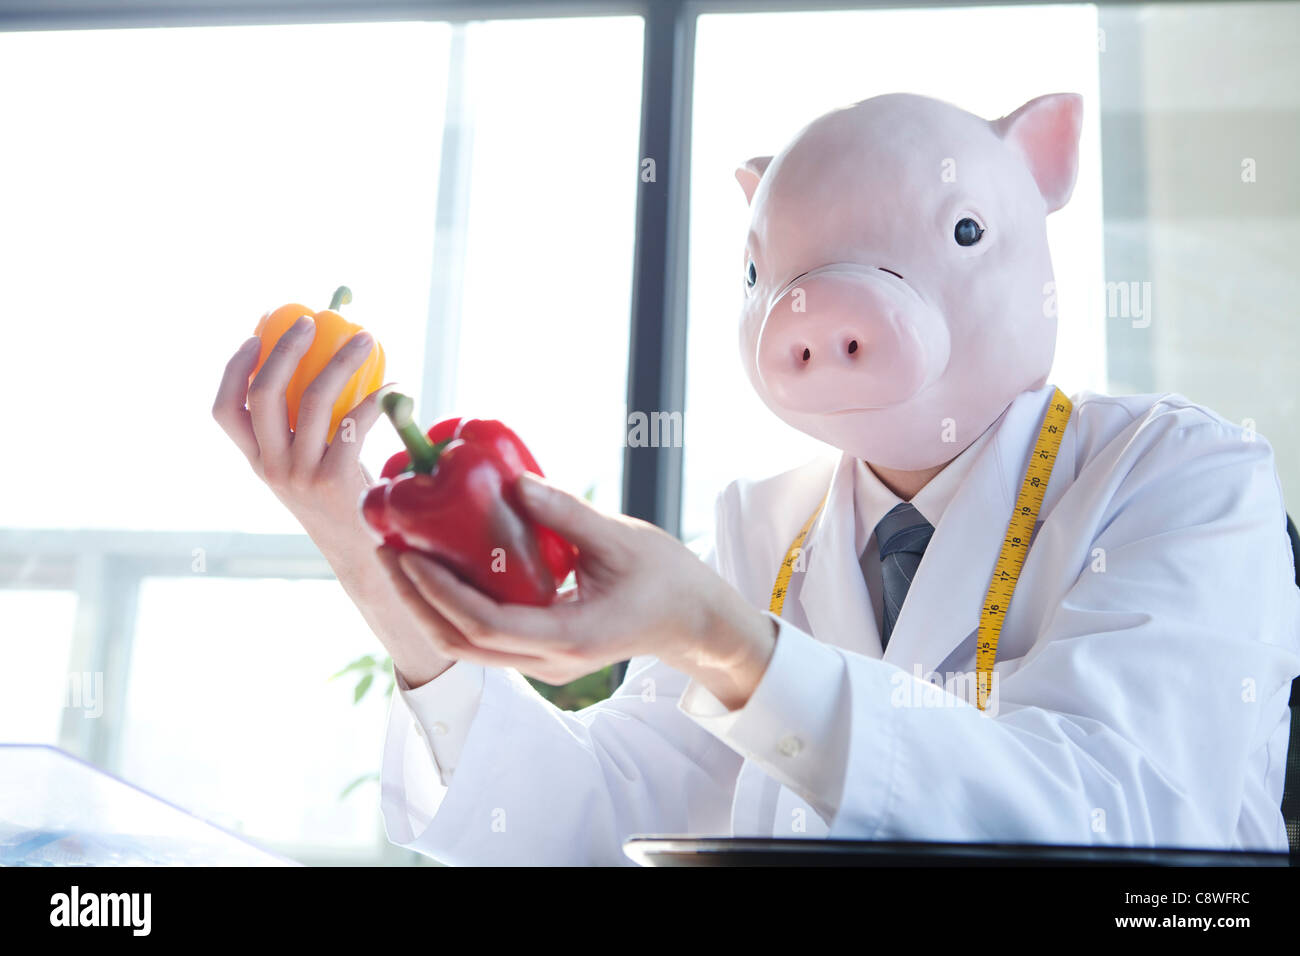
(571, 516)
(445, 634)
(228, 407)
(344, 451)
(316, 408)
(266, 402)
(482, 621)
(446, 638)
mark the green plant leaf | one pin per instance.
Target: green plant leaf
(577, 694)
(364, 778)
(363, 663)
(363, 685)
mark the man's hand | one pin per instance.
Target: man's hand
(321, 482)
(640, 591)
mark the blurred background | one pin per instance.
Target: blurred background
(533, 203)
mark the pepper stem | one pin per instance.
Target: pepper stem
(342, 296)
(399, 409)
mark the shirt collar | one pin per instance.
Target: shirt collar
(872, 500)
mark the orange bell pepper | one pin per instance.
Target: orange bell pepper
(332, 333)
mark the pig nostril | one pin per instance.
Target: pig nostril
(807, 355)
(853, 346)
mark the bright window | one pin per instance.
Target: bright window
(548, 247)
(36, 629)
(231, 712)
(152, 215)
(210, 174)
(475, 186)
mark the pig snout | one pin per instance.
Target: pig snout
(849, 337)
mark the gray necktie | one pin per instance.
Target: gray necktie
(902, 536)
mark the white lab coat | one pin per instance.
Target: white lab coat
(1142, 676)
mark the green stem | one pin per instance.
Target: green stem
(399, 409)
(342, 296)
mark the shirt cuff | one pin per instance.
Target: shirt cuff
(795, 724)
(443, 710)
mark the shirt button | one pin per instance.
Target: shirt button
(789, 745)
(438, 728)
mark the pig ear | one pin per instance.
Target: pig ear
(1046, 132)
(749, 175)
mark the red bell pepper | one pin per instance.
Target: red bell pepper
(452, 495)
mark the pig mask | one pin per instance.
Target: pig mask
(898, 287)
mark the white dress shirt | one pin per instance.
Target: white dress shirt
(445, 707)
(872, 501)
(443, 710)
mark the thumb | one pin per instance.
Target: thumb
(566, 514)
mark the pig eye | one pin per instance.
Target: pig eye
(751, 275)
(967, 232)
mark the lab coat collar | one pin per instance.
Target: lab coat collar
(944, 602)
(833, 594)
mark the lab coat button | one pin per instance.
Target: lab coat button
(789, 745)
(419, 731)
(439, 728)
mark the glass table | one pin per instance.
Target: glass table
(57, 810)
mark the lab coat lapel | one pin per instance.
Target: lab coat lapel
(833, 594)
(944, 602)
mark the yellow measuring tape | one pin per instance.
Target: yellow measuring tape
(1011, 559)
(792, 554)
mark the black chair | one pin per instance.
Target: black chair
(1291, 788)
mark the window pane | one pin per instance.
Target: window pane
(159, 195)
(170, 215)
(231, 712)
(759, 79)
(548, 251)
(1201, 128)
(210, 174)
(35, 645)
